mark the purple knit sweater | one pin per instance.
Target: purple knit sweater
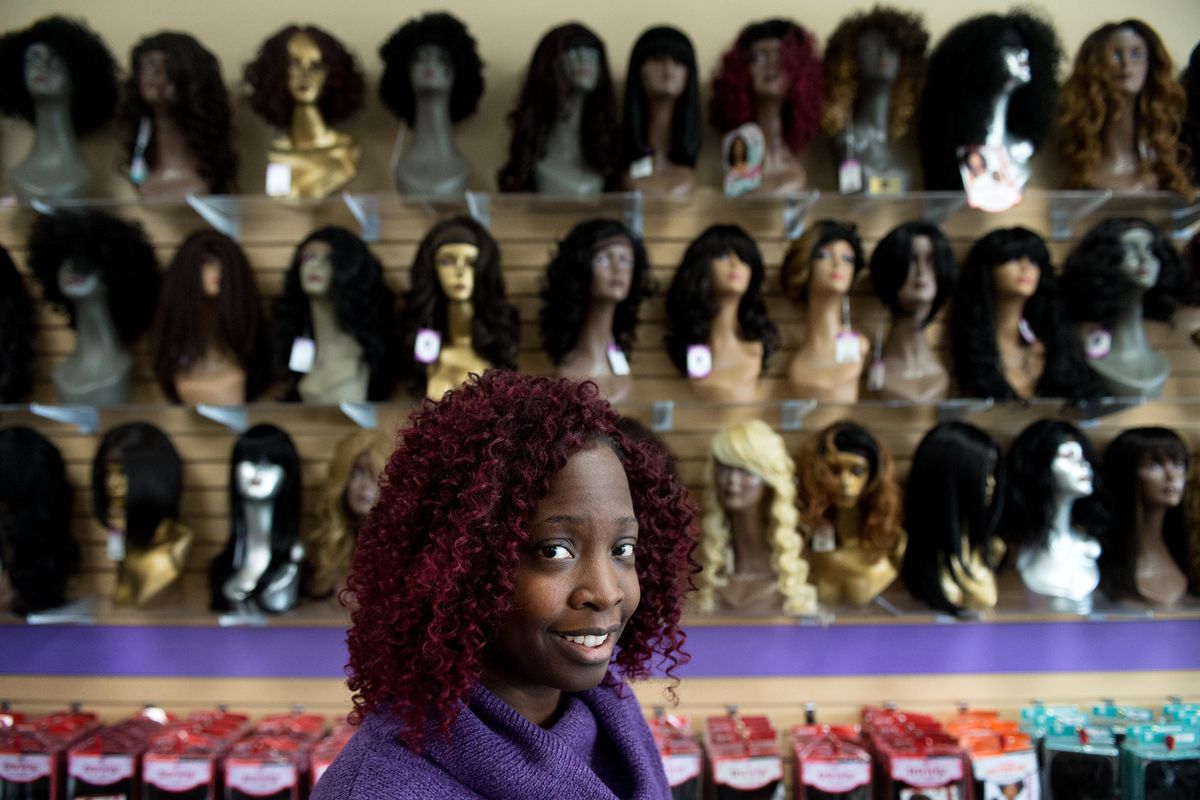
(599, 749)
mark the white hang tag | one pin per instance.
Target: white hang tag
(850, 177)
(279, 180)
(699, 361)
(846, 349)
(824, 540)
(427, 346)
(304, 352)
(139, 170)
(1026, 332)
(875, 375)
(1097, 342)
(642, 167)
(115, 545)
(617, 360)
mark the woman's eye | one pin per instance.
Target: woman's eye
(624, 550)
(554, 552)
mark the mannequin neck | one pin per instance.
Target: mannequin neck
(824, 318)
(565, 140)
(847, 523)
(1120, 133)
(872, 106)
(309, 130)
(1060, 523)
(596, 332)
(748, 538)
(1129, 330)
(460, 316)
(54, 132)
(324, 318)
(433, 132)
(768, 115)
(724, 326)
(93, 323)
(1148, 530)
(258, 516)
(660, 111)
(906, 340)
(997, 132)
(170, 146)
(1009, 312)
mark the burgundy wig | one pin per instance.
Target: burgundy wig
(267, 76)
(434, 570)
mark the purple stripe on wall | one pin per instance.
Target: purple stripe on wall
(726, 651)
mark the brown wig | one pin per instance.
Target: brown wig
(267, 76)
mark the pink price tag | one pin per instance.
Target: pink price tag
(1097, 342)
(699, 361)
(427, 346)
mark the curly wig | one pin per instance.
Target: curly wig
(566, 292)
(200, 107)
(365, 309)
(91, 67)
(945, 502)
(691, 306)
(818, 486)
(973, 323)
(16, 333)
(36, 547)
(267, 76)
(444, 31)
(1125, 454)
(797, 261)
(1189, 134)
(154, 474)
(183, 321)
(732, 102)
(658, 43)
(495, 328)
(538, 106)
(1091, 98)
(902, 30)
(892, 259)
(96, 242)
(752, 446)
(1095, 287)
(965, 74)
(435, 568)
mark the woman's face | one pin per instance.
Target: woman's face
(1160, 483)
(1016, 278)
(46, 74)
(1130, 60)
(306, 69)
(1071, 471)
(154, 84)
(316, 268)
(920, 286)
(258, 480)
(612, 269)
(832, 268)
(730, 275)
(362, 486)
(766, 68)
(581, 68)
(852, 472)
(1140, 265)
(737, 489)
(455, 263)
(876, 58)
(663, 77)
(431, 70)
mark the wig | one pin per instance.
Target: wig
(754, 447)
(965, 75)
(95, 242)
(973, 323)
(364, 303)
(445, 31)
(902, 30)
(267, 76)
(691, 306)
(183, 323)
(566, 293)
(1095, 287)
(1191, 259)
(435, 568)
(200, 107)
(36, 548)
(1092, 98)
(1032, 494)
(16, 333)
(892, 259)
(154, 474)
(262, 443)
(946, 506)
(91, 67)
(1189, 135)
(654, 44)
(797, 261)
(818, 486)
(1125, 454)
(538, 108)
(733, 102)
(495, 329)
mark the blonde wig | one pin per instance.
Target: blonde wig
(754, 447)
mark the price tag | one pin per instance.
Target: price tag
(115, 544)
(699, 361)
(850, 177)
(642, 167)
(617, 360)
(846, 348)
(875, 375)
(428, 346)
(824, 540)
(304, 352)
(1097, 342)
(279, 180)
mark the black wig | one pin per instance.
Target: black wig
(270, 444)
(965, 73)
(267, 77)
(1189, 136)
(893, 257)
(200, 107)
(568, 284)
(690, 304)
(797, 261)
(154, 477)
(946, 499)
(447, 32)
(36, 548)
(365, 309)
(16, 333)
(657, 43)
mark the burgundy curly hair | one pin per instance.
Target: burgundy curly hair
(732, 101)
(434, 570)
(267, 76)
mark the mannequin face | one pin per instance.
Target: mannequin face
(1016, 63)
(154, 84)
(455, 264)
(258, 480)
(46, 74)
(362, 487)
(1140, 265)
(1016, 278)
(210, 277)
(306, 69)
(766, 68)
(116, 485)
(1071, 472)
(663, 77)
(876, 58)
(1130, 59)
(316, 268)
(612, 269)
(832, 268)
(75, 283)
(581, 68)
(730, 276)
(1160, 484)
(920, 287)
(431, 70)
(737, 489)
(852, 472)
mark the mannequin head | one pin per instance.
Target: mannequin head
(594, 250)
(1050, 462)
(913, 270)
(208, 260)
(771, 60)
(288, 70)
(844, 467)
(1122, 67)
(36, 547)
(173, 72)
(441, 44)
(655, 63)
(72, 62)
(16, 334)
(749, 466)
(93, 245)
(870, 46)
(354, 284)
(953, 500)
(153, 474)
(548, 82)
(824, 260)
(692, 300)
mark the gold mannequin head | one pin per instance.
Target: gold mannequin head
(306, 68)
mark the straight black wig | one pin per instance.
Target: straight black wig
(154, 476)
(16, 334)
(657, 43)
(893, 258)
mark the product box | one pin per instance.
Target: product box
(681, 755)
(1161, 762)
(107, 763)
(33, 754)
(181, 764)
(745, 760)
(261, 766)
(830, 763)
(914, 758)
(1079, 762)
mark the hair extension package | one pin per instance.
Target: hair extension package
(1161, 762)
(273, 761)
(33, 754)
(1079, 763)
(915, 759)
(680, 753)
(182, 763)
(831, 763)
(1004, 763)
(745, 760)
(105, 764)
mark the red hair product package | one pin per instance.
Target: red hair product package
(745, 760)
(681, 756)
(33, 754)
(830, 763)
(915, 759)
(273, 762)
